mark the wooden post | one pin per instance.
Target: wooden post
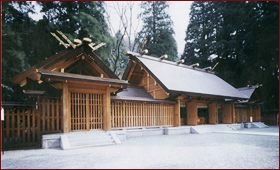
(107, 110)
(177, 114)
(213, 113)
(87, 112)
(233, 113)
(65, 108)
(192, 113)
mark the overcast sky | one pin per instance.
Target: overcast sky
(178, 10)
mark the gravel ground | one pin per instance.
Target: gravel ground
(211, 151)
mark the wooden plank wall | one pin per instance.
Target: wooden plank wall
(129, 114)
(241, 115)
(192, 116)
(21, 127)
(50, 114)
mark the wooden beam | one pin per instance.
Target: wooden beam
(138, 74)
(66, 64)
(65, 109)
(131, 71)
(82, 90)
(177, 114)
(107, 110)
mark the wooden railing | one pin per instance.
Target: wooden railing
(128, 114)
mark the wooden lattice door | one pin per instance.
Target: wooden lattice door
(86, 111)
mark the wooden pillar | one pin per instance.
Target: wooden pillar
(65, 108)
(228, 113)
(259, 113)
(177, 114)
(192, 113)
(107, 110)
(213, 113)
(233, 113)
(250, 114)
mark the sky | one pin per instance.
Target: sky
(178, 10)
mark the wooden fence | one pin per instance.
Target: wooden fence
(23, 125)
(128, 114)
(50, 114)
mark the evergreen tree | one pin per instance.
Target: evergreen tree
(17, 45)
(243, 37)
(157, 30)
(79, 19)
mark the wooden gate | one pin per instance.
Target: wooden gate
(86, 111)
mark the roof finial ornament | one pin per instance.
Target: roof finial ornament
(194, 65)
(144, 52)
(180, 61)
(207, 68)
(163, 57)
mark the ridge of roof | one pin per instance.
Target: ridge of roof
(137, 55)
(248, 87)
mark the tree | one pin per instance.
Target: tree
(79, 19)
(118, 59)
(17, 45)
(157, 30)
(243, 38)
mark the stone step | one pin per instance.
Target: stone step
(258, 125)
(210, 128)
(86, 143)
(87, 139)
(92, 145)
(91, 137)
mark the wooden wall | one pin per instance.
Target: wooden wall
(213, 113)
(132, 114)
(228, 110)
(192, 113)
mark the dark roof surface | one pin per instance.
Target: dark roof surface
(248, 91)
(69, 76)
(185, 79)
(136, 93)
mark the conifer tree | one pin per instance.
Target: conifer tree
(157, 30)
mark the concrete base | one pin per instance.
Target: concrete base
(64, 143)
(51, 141)
(144, 132)
(177, 130)
(121, 135)
(248, 125)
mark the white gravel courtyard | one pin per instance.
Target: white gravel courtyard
(210, 151)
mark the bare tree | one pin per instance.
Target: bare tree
(127, 29)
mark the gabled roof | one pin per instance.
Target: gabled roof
(182, 79)
(136, 93)
(249, 91)
(68, 59)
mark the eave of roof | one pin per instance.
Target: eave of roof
(182, 79)
(69, 76)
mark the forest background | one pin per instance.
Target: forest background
(239, 39)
